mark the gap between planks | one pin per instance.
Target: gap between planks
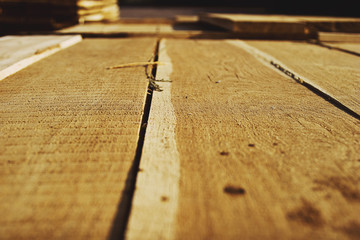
(154, 207)
(338, 47)
(272, 62)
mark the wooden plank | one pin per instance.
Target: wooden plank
(18, 52)
(69, 131)
(334, 73)
(260, 156)
(296, 26)
(258, 25)
(338, 37)
(119, 29)
(331, 24)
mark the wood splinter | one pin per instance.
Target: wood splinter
(136, 64)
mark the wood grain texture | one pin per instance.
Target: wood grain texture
(261, 157)
(154, 208)
(18, 52)
(332, 71)
(69, 131)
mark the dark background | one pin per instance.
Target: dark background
(305, 7)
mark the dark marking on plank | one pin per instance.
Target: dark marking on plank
(234, 190)
(307, 214)
(164, 198)
(224, 153)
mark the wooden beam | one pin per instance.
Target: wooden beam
(270, 26)
(69, 134)
(246, 153)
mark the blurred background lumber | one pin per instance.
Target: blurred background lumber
(49, 14)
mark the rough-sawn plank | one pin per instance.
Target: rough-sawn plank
(261, 157)
(69, 131)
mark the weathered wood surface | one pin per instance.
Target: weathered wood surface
(331, 71)
(260, 156)
(296, 26)
(18, 52)
(69, 131)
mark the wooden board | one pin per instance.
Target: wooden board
(18, 52)
(246, 153)
(143, 30)
(258, 25)
(333, 72)
(69, 133)
(268, 25)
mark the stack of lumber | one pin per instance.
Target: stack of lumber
(56, 13)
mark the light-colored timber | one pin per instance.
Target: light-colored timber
(261, 157)
(155, 204)
(333, 72)
(18, 52)
(69, 132)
